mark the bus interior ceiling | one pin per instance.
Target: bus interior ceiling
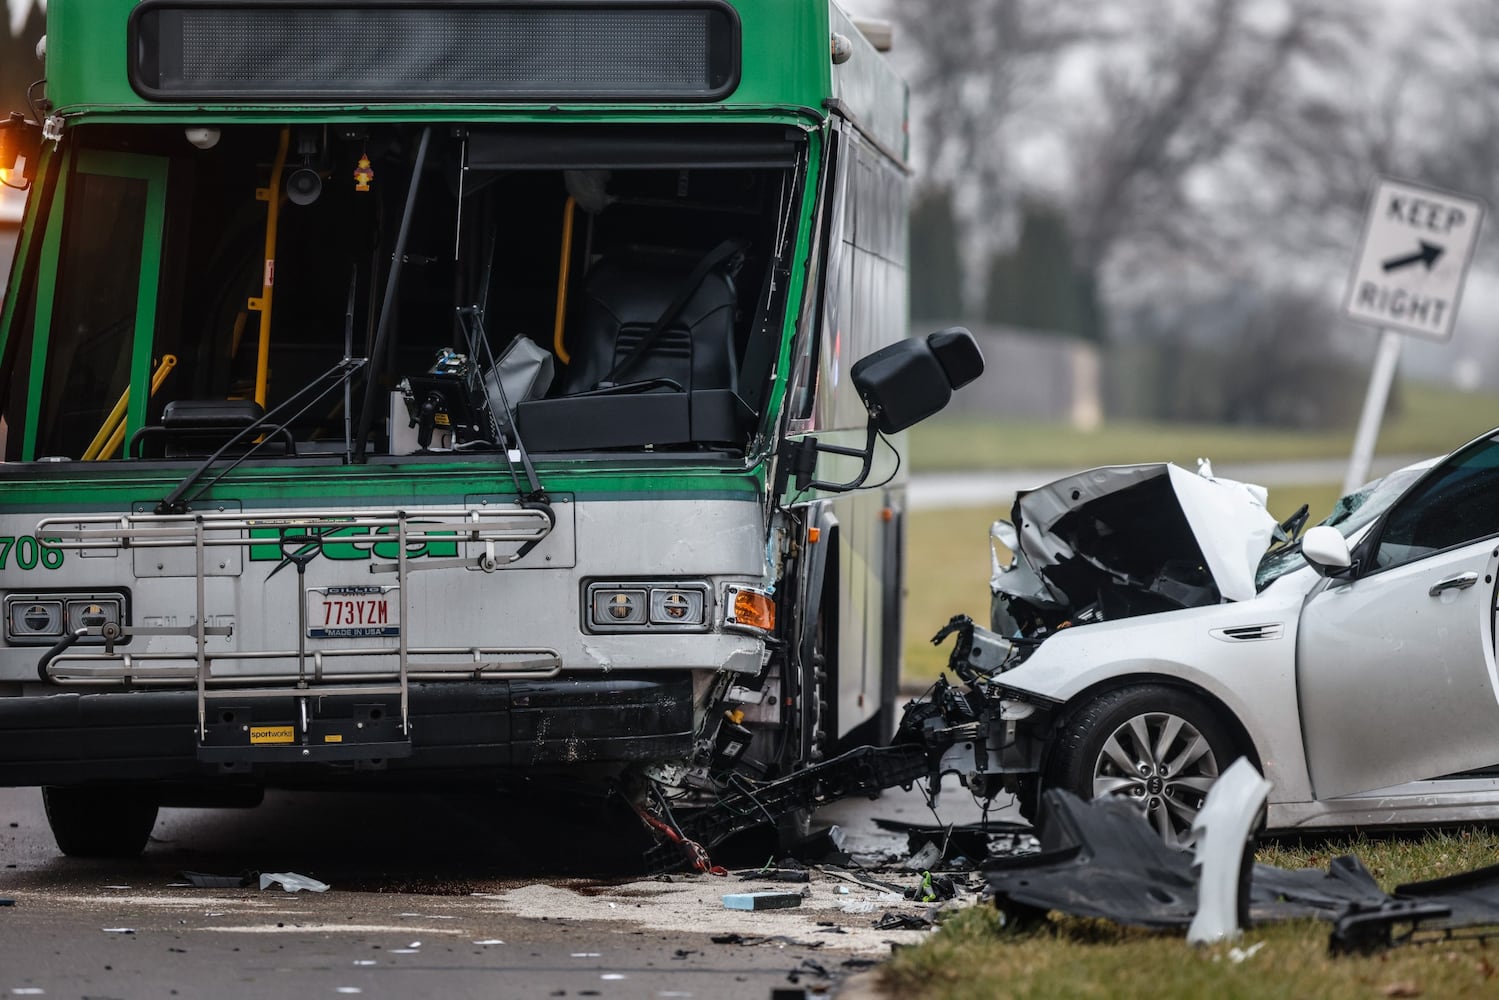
(477, 237)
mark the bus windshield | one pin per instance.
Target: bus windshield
(429, 251)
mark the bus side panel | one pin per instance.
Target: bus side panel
(869, 290)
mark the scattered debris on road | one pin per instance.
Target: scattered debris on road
(761, 900)
(203, 880)
(1103, 859)
(292, 882)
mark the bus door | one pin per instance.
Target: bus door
(91, 359)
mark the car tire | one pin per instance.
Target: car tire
(100, 822)
(1157, 746)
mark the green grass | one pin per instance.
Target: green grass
(1431, 421)
(974, 956)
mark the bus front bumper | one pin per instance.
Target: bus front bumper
(462, 730)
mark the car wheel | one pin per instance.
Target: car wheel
(91, 822)
(1156, 746)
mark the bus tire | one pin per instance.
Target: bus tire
(100, 822)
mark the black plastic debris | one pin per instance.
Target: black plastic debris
(1369, 930)
(750, 941)
(859, 963)
(1473, 897)
(866, 881)
(958, 843)
(1103, 859)
(823, 846)
(203, 880)
(933, 889)
(808, 968)
(1097, 859)
(1345, 885)
(776, 874)
(892, 921)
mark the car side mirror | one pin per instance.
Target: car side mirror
(901, 384)
(1327, 550)
(910, 380)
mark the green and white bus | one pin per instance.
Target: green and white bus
(426, 391)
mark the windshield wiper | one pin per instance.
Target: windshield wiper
(266, 427)
(1290, 529)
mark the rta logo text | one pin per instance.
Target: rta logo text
(349, 543)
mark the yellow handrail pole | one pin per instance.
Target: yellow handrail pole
(272, 197)
(168, 362)
(106, 429)
(562, 271)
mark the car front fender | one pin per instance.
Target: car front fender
(1242, 656)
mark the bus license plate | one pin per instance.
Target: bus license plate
(352, 612)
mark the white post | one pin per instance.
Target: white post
(1374, 403)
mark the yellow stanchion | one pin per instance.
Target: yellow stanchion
(562, 275)
(112, 431)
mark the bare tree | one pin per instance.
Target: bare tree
(974, 68)
(1196, 145)
(1180, 113)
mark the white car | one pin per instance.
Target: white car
(1155, 625)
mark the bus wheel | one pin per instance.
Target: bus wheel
(100, 822)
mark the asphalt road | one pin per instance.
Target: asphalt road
(432, 895)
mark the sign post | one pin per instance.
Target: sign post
(1408, 278)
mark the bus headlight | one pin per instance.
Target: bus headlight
(42, 619)
(647, 606)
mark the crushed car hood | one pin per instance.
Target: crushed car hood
(1137, 538)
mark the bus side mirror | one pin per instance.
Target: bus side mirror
(908, 381)
(20, 142)
(901, 385)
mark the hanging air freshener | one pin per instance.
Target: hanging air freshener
(363, 174)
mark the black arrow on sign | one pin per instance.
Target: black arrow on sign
(1428, 256)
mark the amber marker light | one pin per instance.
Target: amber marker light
(751, 609)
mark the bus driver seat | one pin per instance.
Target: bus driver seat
(635, 380)
(625, 298)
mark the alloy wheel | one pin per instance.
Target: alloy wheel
(1164, 764)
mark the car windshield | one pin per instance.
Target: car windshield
(1349, 514)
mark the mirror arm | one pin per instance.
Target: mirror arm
(799, 462)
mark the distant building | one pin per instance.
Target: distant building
(1032, 375)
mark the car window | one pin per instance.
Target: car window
(1459, 503)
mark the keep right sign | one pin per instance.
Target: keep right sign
(1416, 248)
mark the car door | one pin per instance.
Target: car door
(1395, 662)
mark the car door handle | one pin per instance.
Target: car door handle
(1460, 582)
